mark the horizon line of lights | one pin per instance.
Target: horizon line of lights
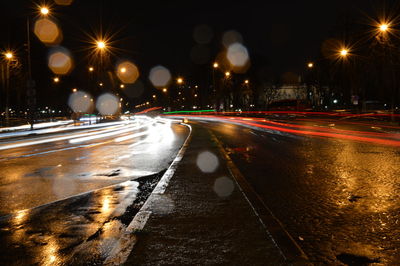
(197, 111)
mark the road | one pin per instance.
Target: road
(333, 183)
(61, 162)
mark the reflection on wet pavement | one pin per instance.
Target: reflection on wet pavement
(82, 228)
(338, 198)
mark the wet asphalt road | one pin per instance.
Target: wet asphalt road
(338, 198)
(68, 163)
(68, 197)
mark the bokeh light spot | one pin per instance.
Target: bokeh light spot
(107, 104)
(127, 72)
(223, 186)
(207, 162)
(47, 31)
(160, 76)
(80, 102)
(60, 61)
(237, 55)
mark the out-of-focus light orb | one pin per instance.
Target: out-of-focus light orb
(215, 65)
(79, 102)
(203, 34)
(231, 37)
(107, 104)
(122, 86)
(56, 79)
(63, 2)
(91, 69)
(60, 62)
(160, 76)
(47, 31)
(179, 80)
(165, 90)
(223, 186)
(207, 162)
(127, 72)
(344, 52)
(227, 74)
(237, 55)
(310, 65)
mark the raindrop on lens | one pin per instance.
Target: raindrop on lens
(207, 162)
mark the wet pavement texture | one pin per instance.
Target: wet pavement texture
(203, 217)
(81, 230)
(339, 199)
(39, 174)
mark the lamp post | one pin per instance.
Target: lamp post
(31, 92)
(8, 56)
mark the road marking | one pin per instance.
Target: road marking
(121, 251)
(288, 247)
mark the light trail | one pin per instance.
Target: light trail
(319, 132)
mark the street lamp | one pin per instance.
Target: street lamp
(44, 10)
(101, 45)
(344, 52)
(383, 27)
(8, 56)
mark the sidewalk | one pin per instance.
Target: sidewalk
(203, 218)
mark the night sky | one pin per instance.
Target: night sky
(281, 35)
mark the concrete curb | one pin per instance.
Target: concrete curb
(119, 254)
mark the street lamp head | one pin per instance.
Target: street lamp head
(215, 65)
(383, 27)
(101, 44)
(344, 52)
(44, 10)
(9, 55)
